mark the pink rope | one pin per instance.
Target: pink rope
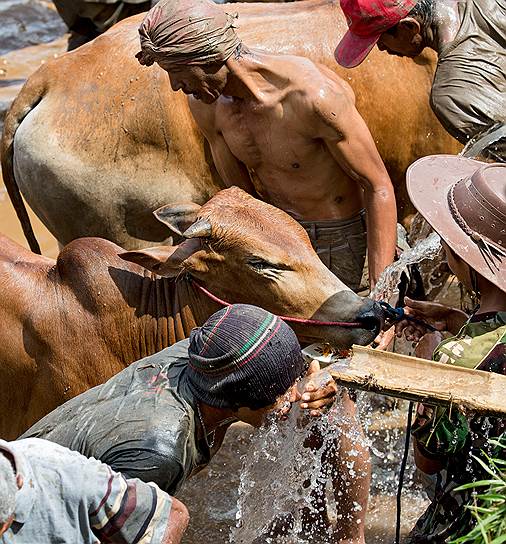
(348, 324)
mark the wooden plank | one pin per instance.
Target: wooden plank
(419, 380)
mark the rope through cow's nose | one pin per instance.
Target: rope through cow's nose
(288, 319)
(395, 315)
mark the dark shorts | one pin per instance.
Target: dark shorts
(342, 247)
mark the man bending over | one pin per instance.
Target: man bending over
(49, 494)
(283, 128)
(164, 417)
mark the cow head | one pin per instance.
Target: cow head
(244, 250)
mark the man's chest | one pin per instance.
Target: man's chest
(265, 136)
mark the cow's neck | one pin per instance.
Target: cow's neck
(162, 312)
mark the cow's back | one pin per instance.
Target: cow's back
(109, 142)
(53, 343)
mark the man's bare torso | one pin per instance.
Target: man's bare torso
(278, 139)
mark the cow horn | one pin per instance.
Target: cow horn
(200, 229)
(178, 217)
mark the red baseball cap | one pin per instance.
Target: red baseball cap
(367, 20)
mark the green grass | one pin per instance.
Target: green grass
(488, 500)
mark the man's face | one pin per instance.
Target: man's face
(205, 83)
(459, 267)
(403, 40)
(281, 407)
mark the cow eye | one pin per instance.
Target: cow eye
(260, 265)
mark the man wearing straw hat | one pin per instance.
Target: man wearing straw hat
(283, 128)
(465, 203)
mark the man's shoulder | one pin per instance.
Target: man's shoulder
(204, 114)
(92, 495)
(47, 455)
(320, 86)
(320, 74)
(39, 450)
(59, 467)
(167, 355)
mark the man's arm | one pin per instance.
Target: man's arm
(127, 511)
(349, 141)
(231, 170)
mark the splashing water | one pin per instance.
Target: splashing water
(281, 475)
(428, 248)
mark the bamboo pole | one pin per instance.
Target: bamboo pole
(420, 380)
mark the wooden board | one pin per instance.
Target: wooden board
(422, 381)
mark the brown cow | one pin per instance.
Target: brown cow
(96, 142)
(70, 324)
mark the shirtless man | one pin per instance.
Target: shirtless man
(283, 128)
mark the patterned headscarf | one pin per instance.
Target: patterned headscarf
(187, 32)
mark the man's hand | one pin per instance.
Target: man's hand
(427, 344)
(384, 339)
(441, 317)
(319, 390)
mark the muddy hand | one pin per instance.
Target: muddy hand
(384, 339)
(431, 312)
(318, 391)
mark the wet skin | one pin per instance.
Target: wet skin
(409, 37)
(403, 40)
(288, 130)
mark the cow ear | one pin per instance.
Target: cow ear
(178, 217)
(152, 258)
(163, 260)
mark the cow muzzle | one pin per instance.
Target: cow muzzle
(371, 316)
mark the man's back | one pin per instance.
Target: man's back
(469, 89)
(139, 422)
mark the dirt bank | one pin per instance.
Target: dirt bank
(15, 67)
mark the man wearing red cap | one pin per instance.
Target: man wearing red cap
(469, 88)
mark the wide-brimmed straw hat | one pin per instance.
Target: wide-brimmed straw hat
(465, 203)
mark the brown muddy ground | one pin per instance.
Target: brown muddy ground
(25, 24)
(211, 495)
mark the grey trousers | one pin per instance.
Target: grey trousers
(342, 246)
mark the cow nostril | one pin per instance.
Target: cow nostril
(372, 317)
(370, 323)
